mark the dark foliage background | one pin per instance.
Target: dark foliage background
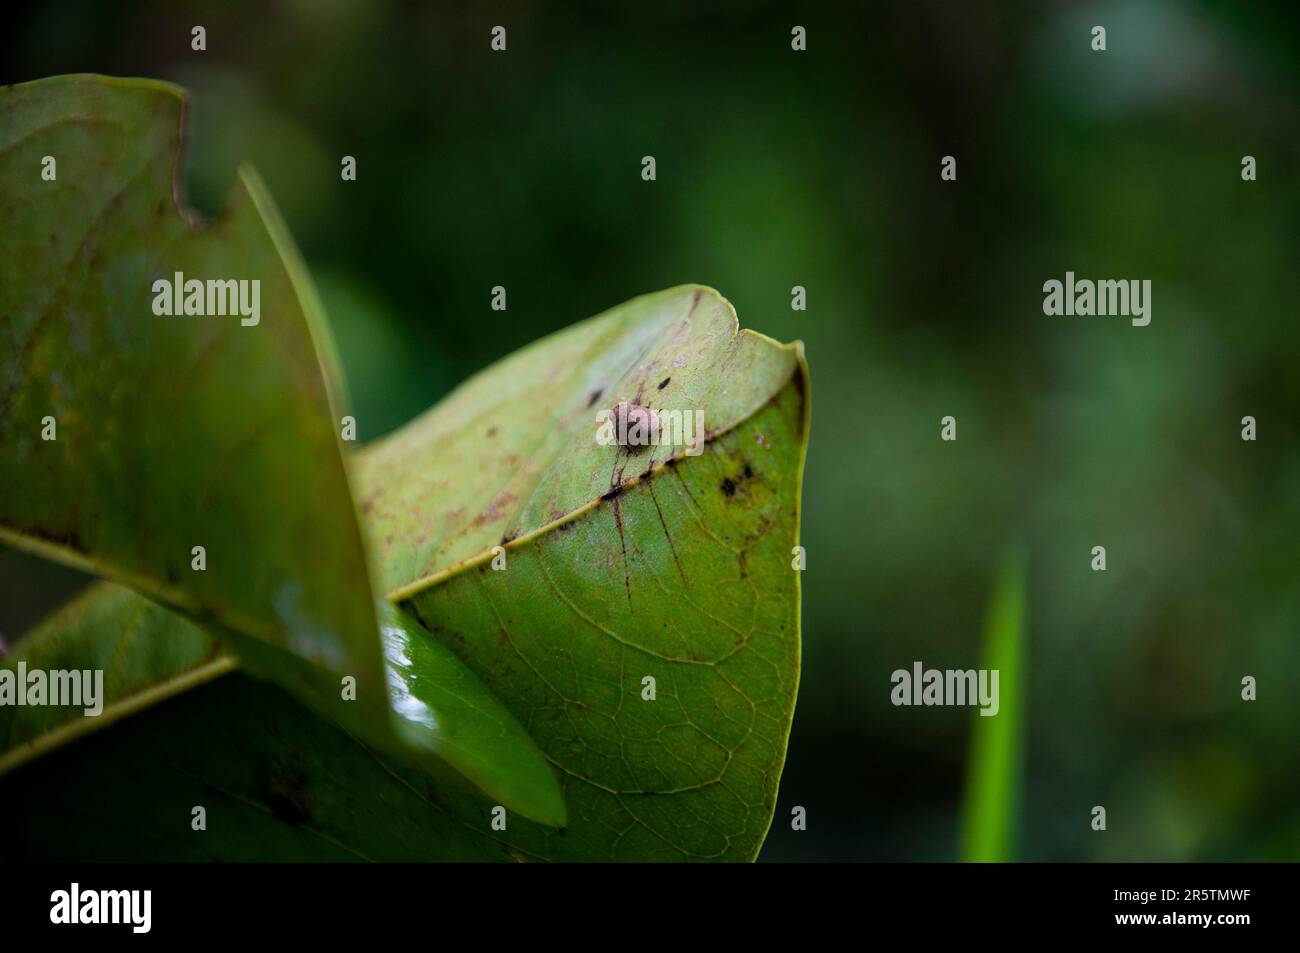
(822, 169)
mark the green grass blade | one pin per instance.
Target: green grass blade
(992, 796)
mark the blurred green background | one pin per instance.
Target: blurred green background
(821, 169)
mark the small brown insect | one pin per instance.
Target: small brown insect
(635, 426)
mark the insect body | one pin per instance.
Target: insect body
(635, 426)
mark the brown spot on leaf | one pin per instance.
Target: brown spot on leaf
(492, 512)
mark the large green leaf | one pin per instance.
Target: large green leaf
(690, 775)
(175, 432)
(148, 654)
(684, 577)
(682, 572)
(172, 432)
(619, 566)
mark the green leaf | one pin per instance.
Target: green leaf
(276, 782)
(148, 654)
(440, 706)
(685, 577)
(683, 573)
(620, 566)
(174, 432)
(691, 775)
(514, 450)
(145, 652)
(624, 568)
(992, 796)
